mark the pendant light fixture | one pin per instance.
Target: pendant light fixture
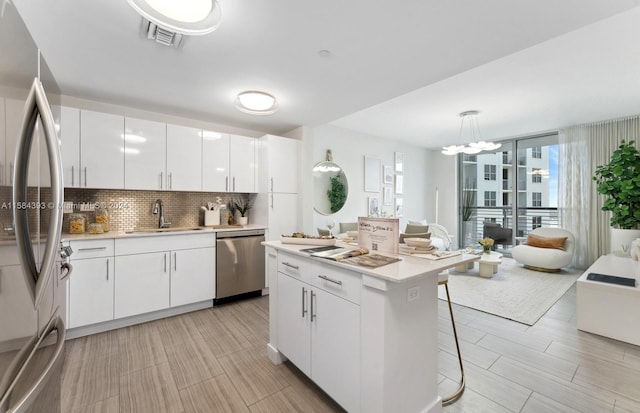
(470, 132)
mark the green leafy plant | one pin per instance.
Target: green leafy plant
(242, 205)
(337, 193)
(619, 182)
(468, 203)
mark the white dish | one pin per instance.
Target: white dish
(308, 241)
(418, 242)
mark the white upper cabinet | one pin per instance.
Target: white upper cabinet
(242, 164)
(280, 158)
(13, 110)
(184, 158)
(228, 163)
(215, 162)
(145, 148)
(69, 134)
(102, 150)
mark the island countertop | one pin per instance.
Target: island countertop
(408, 268)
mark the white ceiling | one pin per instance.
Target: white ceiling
(402, 70)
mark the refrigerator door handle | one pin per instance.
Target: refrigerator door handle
(22, 363)
(36, 276)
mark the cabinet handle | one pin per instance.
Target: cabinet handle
(165, 262)
(175, 261)
(160, 180)
(67, 269)
(295, 267)
(85, 176)
(107, 269)
(92, 249)
(272, 255)
(331, 280)
(313, 311)
(271, 201)
(170, 180)
(272, 184)
(304, 307)
(72, 176)
(226, 183)
(234, 184)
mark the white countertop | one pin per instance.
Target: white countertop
(150, 233)
(404, 270)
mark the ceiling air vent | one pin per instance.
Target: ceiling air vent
(161, 35)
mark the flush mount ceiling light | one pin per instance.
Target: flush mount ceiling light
(189, 17)
(255, 102)
(470, 132)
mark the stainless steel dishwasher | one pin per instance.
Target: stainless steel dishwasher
(239, 264)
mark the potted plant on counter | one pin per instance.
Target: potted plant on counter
(243, 205)
(619, 182)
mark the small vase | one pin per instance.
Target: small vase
(243, 221)
(486, 250)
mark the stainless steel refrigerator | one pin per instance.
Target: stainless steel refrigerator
(32, 269)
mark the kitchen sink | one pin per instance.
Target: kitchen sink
(154, 230)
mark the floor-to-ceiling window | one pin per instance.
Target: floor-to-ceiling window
(507, 193)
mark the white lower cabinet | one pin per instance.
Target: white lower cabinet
(125, 277)
(17, 316)
(143, 283)
(193, 276)
(91, 291)
(319, 332)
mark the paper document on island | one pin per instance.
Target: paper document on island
(371, 260)
(433, 255)
(340, 254)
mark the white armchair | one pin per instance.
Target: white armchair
(546, 259)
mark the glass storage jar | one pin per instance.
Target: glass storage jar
(96, 228)
(102, 217)
(76, 224)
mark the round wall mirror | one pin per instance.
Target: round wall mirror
(330, 188)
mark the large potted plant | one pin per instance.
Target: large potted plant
(619, 182)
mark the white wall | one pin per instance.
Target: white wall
(349, 148)
(444, 170)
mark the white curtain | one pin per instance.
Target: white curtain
(582, 149)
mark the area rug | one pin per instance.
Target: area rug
(514, 292)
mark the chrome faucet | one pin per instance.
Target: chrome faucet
(158, 208)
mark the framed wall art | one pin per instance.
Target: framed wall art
(372, 171)
(387, 174)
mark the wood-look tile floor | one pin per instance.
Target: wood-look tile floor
(214, 360)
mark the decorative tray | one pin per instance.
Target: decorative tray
(307, 241)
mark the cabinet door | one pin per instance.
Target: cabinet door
(4, 157)
(70, 145)
(101, 150)
(17, 316)
(335, 348)
(91, 291)
(143, 283)
(283, 214)
(282, 164)
(293, 322)
(184, 158)
(14, 110)
(145, 150)
(193, 276)
(242, 163)
(215, 162)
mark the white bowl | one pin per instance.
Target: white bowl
(418, 242)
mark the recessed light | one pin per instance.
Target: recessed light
(255, 102)
(324, 53)
(190, 17)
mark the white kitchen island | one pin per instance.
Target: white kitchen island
(368, 337)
